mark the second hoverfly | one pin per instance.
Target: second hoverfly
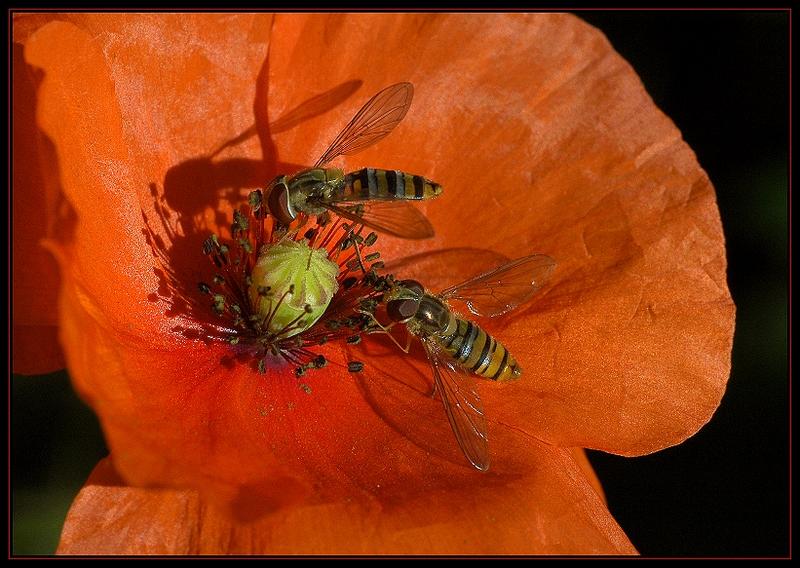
(374, 197)
(459, 349)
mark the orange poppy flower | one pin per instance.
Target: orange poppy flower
(154, 126)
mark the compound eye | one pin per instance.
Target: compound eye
(401, 310)
(278, 202)
(414, 286)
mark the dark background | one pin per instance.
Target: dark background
(723, 79)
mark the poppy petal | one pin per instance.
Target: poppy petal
(110, 178)
(546, 141)
(108, 517)
(34, 271)
(255, 445)
(579, 455)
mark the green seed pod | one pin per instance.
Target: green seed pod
(295, 282)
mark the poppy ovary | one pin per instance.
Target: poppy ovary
(292, 285)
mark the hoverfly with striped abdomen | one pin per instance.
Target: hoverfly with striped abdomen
(460, 350)
(374, 197)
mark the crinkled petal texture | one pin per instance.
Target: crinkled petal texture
(556, 514)
(544, 140)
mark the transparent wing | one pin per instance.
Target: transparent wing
(396, 218)
(504, 288)
(459, 392)
(441, 268)
(374, 121)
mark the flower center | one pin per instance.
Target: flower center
(292, 285)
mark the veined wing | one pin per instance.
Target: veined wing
(459, 392)
(373, 122)
(504, 288)
(441, 268)
(396, 218)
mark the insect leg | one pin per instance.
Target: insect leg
(385, 329)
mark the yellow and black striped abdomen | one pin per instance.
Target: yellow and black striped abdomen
(370, 184)
(477, 351)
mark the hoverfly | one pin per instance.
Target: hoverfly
(459, 350)
(374, 197)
